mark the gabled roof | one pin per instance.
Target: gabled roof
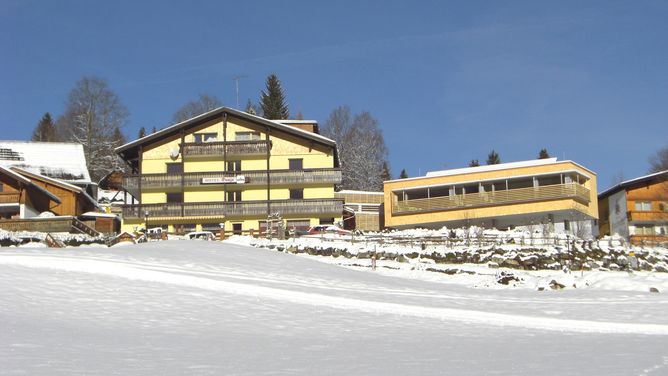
(58, 160)
(130, 150)
(18, 177)
(636, 182)
(58, 183)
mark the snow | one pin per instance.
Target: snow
(58, 160)
(221, 308)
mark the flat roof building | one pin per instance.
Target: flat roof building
(543, 191)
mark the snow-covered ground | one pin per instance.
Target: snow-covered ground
(195, 307)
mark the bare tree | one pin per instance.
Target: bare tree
(205, 103)
(94, 117)
(659, 161)
(361, 147)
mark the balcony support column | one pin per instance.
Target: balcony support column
(268, 174)
(183, 175)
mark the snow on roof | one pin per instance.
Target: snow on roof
(57, 182)
(288, 121)
(16, 175)
(349, 191)
(631, 182)
(100, 215)
(59, 160)
(494, 167)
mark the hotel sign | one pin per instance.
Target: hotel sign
(239, 179)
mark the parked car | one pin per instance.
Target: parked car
(327, 229)
(200, 235)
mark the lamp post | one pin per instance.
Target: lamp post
(146, 214)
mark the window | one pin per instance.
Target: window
(662, 206)
(296, 164)
(174, 168)
(644, 230)
(234, 166)
(643, 206)
(567, 225)
(2, 187)
(205, 137)
(175, 197)
(247, 136)
(326, 221)
(236, 228)
(297, 193)
(234, 196)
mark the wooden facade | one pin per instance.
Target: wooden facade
(636, 209)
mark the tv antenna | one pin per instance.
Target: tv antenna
(236, 81)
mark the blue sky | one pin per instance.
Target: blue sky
(447, 81)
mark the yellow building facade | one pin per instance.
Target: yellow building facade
(545, 191)
(232, 168)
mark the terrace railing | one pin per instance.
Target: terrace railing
(228, 148)
(252, 178)
(511, 196)
(9, 197)
(234, 209)
(647, 216)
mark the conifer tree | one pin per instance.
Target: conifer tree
(45, 130)
(272, 100)
(474, 163)
(493, 158)
(386, 174)
(403, 174)
(142, 132)
(250, 108)
(543, 154)
(154, 130)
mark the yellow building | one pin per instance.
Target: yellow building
(561, 194)
(230, 167)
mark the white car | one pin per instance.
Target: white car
(200, 235)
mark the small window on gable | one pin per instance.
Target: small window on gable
(247, 136)
(643, 205)
(205, 137)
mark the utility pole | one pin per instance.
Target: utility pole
(236, 81)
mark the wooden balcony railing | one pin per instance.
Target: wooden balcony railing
(252, 178)
(310, 207)
(228, 148)
(9, 197)
(647, 216)
(512, 196)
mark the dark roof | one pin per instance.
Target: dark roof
(643, 180)
(131, 150)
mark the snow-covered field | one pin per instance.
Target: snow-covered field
(194, 307)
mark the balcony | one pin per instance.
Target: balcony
(252, 179)
(9, 197)
(647, 216)
(308, 207)
(502, 197)
(228, 148)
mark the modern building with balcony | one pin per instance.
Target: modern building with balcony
(636, 209)
(232, 168)
(558, 194)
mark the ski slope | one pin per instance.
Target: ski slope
(186, 307)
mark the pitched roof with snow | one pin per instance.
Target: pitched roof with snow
(129, 150)
(58, 160)
(56, 182)
(655, 177)
(18, 177)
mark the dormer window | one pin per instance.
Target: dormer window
(205, 137)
